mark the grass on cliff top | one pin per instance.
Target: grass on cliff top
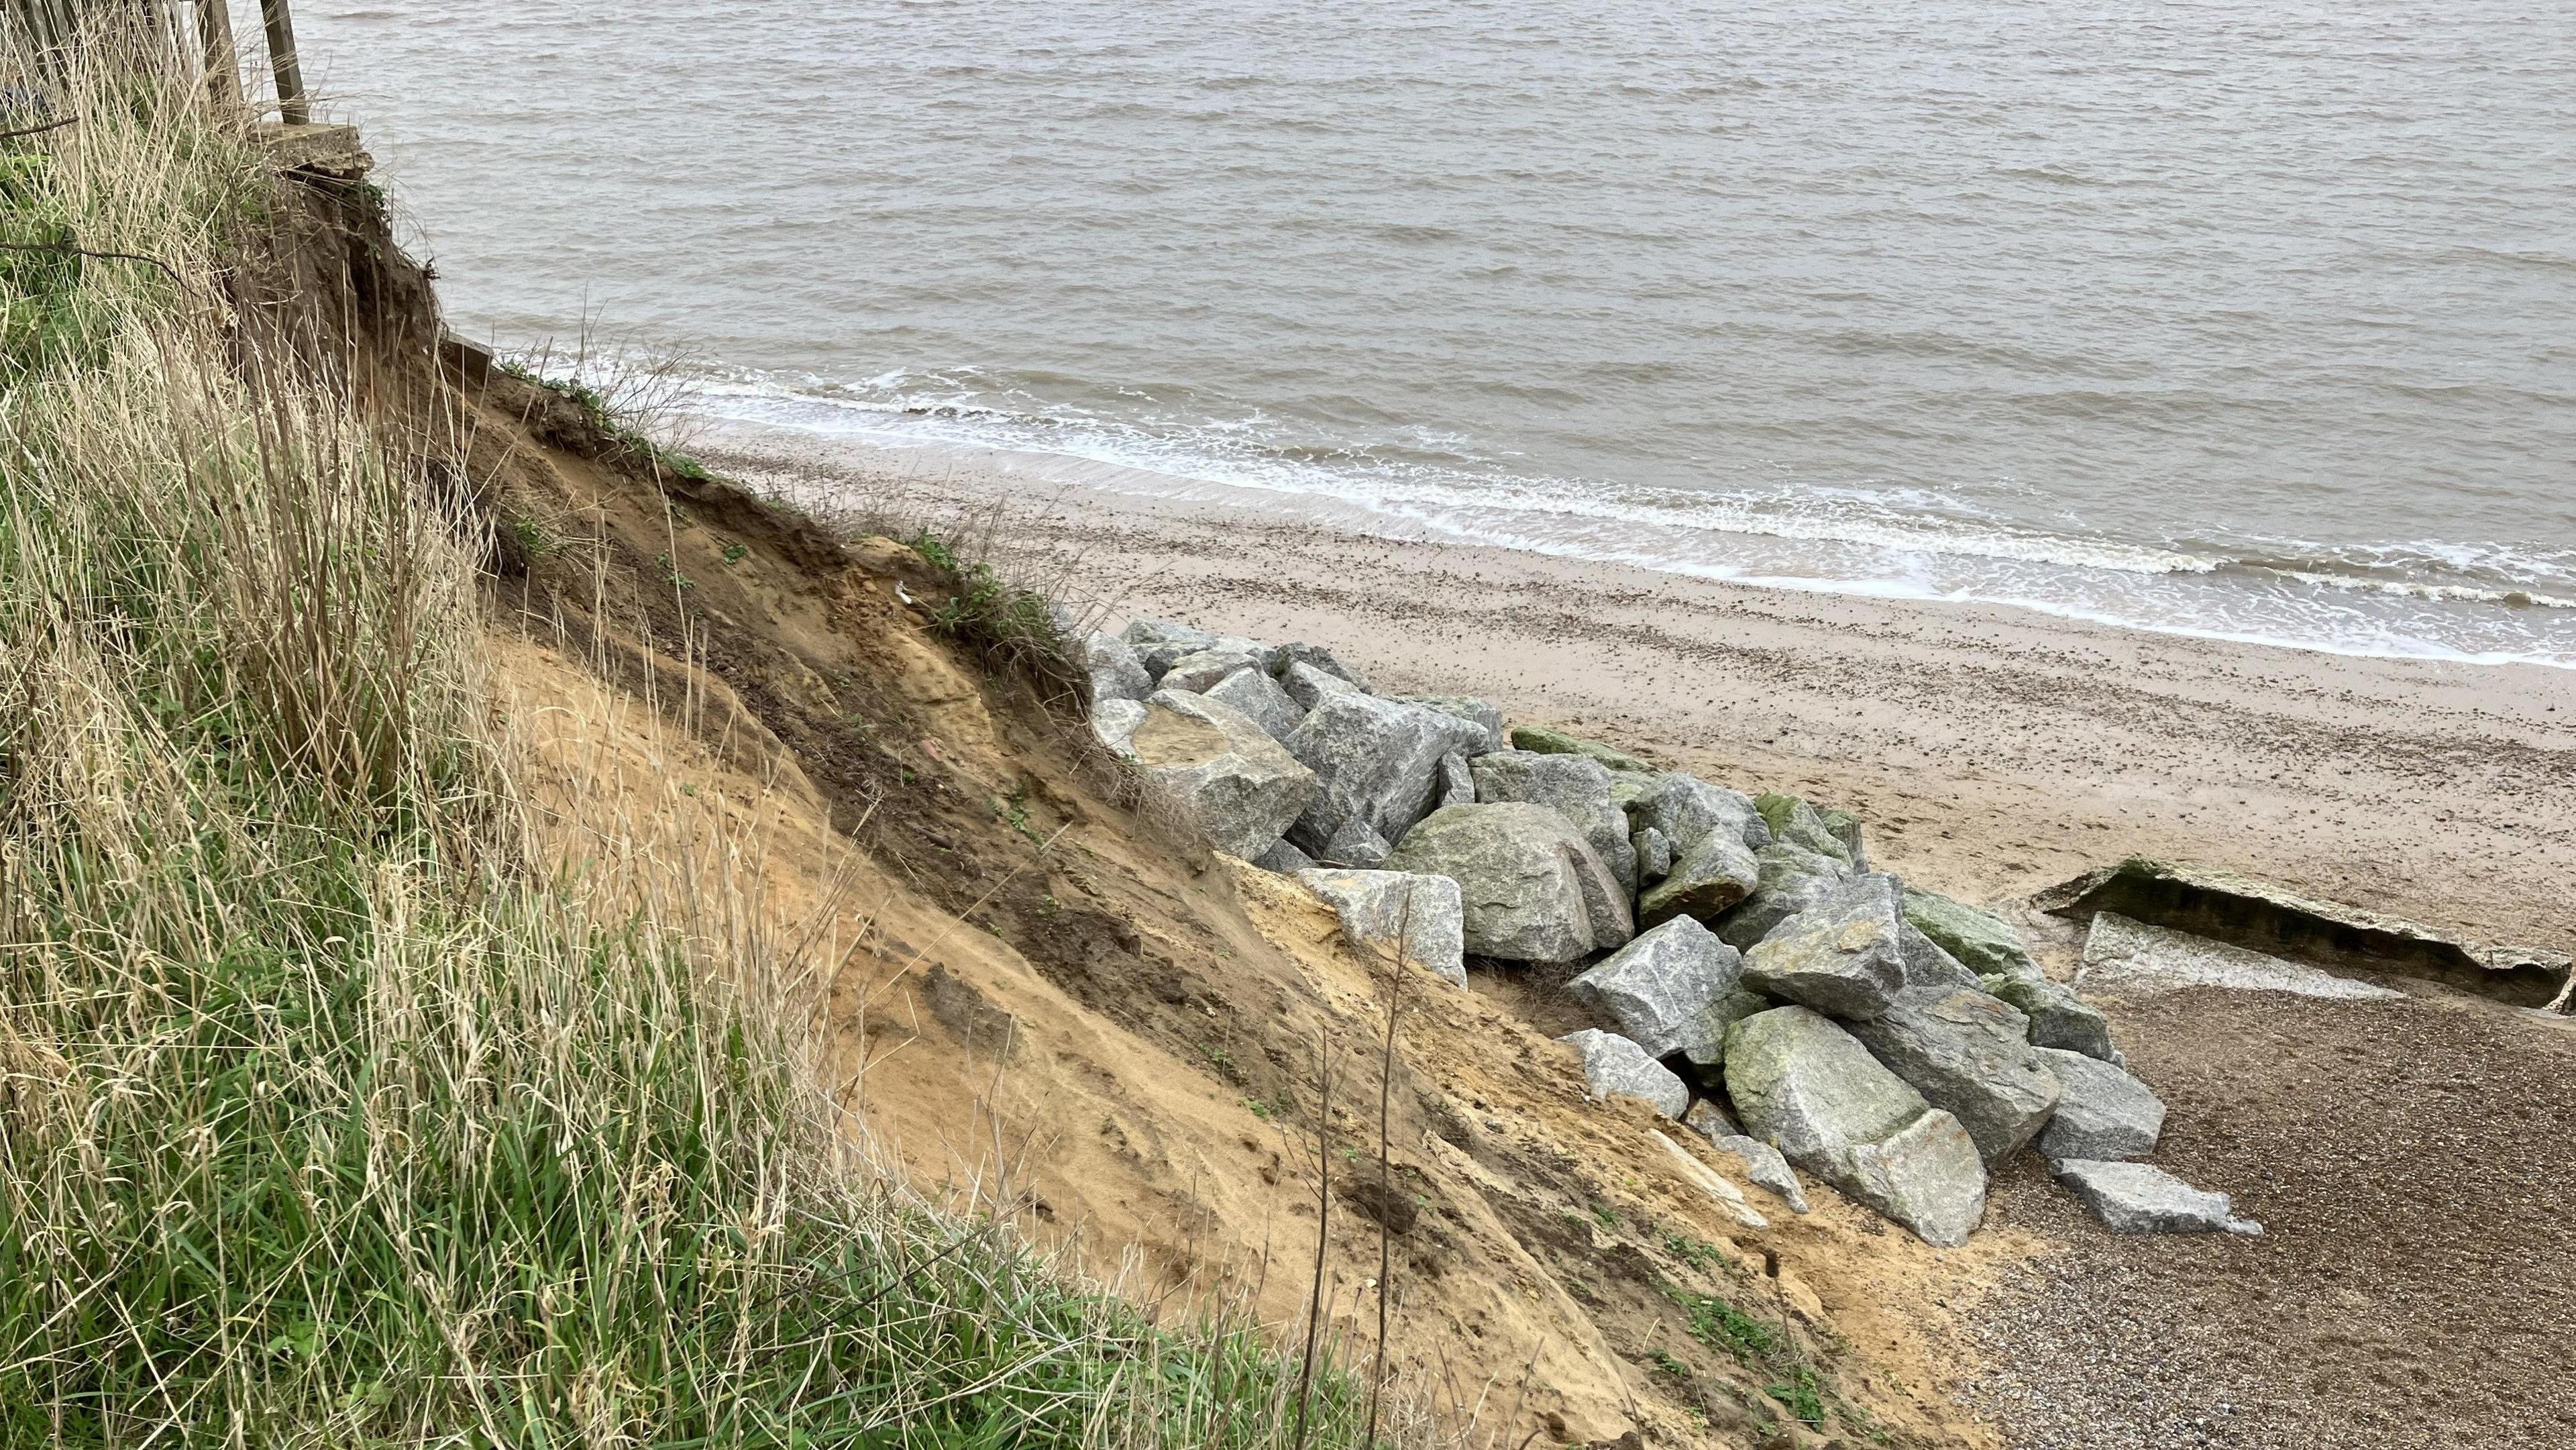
(329, 1112)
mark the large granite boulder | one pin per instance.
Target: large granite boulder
(1664, 990)
(2138, 1198)
(1158, 642)
(1116, 674)
(1376, 761)
(1356, 843)
(1198, 672)
(1457, 781)
(1969, 1055)
(1534, 889)
(1308, 685)
(1707, 878)
(1483, 714)
(1320, 659)
(1841, 956)
(1810, 1089)
(1237, 785)
(1654, 855)
(1557, 742)
(1798, 823)
(1983, 942)
(1284, 858)
(1846, 828)
(1685, 808)
(1791, 879)
(1417, 917)
(2058, 1018)
(1988, 946)
(1259, 698)
(1928, 969)
(1613, 1064)
(2102, 1111)
(1114, 722)
(1576, 787)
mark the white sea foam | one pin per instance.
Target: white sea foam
(1882, 544)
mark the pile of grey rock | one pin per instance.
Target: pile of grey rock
(1751, 975)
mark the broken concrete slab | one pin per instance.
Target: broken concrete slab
(2124, 958)
(2240, 911)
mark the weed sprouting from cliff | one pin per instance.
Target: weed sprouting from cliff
(333, 1108)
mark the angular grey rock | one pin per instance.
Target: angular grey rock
(1987, 945)
(1798, 823)
(2138, 1198)
(1197, 672)
(1792, 879)
(1285, 859)
(1113, 722)
(2102, 1111)
(1845, 828)
(1730, 1009)
(1356, 845)
(1316, 657)
(1928, 969)
(1765, 1167)
(1662, 990)
(1530, 880)
(1259, 697)
(1840, 956)
(1482, 714)
(1685, 808)
(1115, 671)
(1240, 787)
(1712, 875)
(1309, 686)
(1575, 787)
(1810, 1089)
(1654, 855)
(1418, 916)
(1158, 642)
(1969, 1055)
(1376, 761)
(1457, 781)
(1613, 1064)
(1926, 1177)
(2058, 1018)
(1711, 1121)
(1983, 942)
(1557, 742)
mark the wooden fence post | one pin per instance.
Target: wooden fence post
(291, 105)
(223, 63)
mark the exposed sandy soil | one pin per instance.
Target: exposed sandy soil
(2412, 1159)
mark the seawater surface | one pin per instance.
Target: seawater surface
(2247, 319)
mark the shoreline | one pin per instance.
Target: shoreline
(2261, 593)
(1999, 750)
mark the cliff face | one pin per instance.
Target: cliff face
(839, 750)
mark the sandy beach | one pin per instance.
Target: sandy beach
(1992, 750)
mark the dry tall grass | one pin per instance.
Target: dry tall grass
(331, 1110)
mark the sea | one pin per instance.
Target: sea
(2253, 319)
